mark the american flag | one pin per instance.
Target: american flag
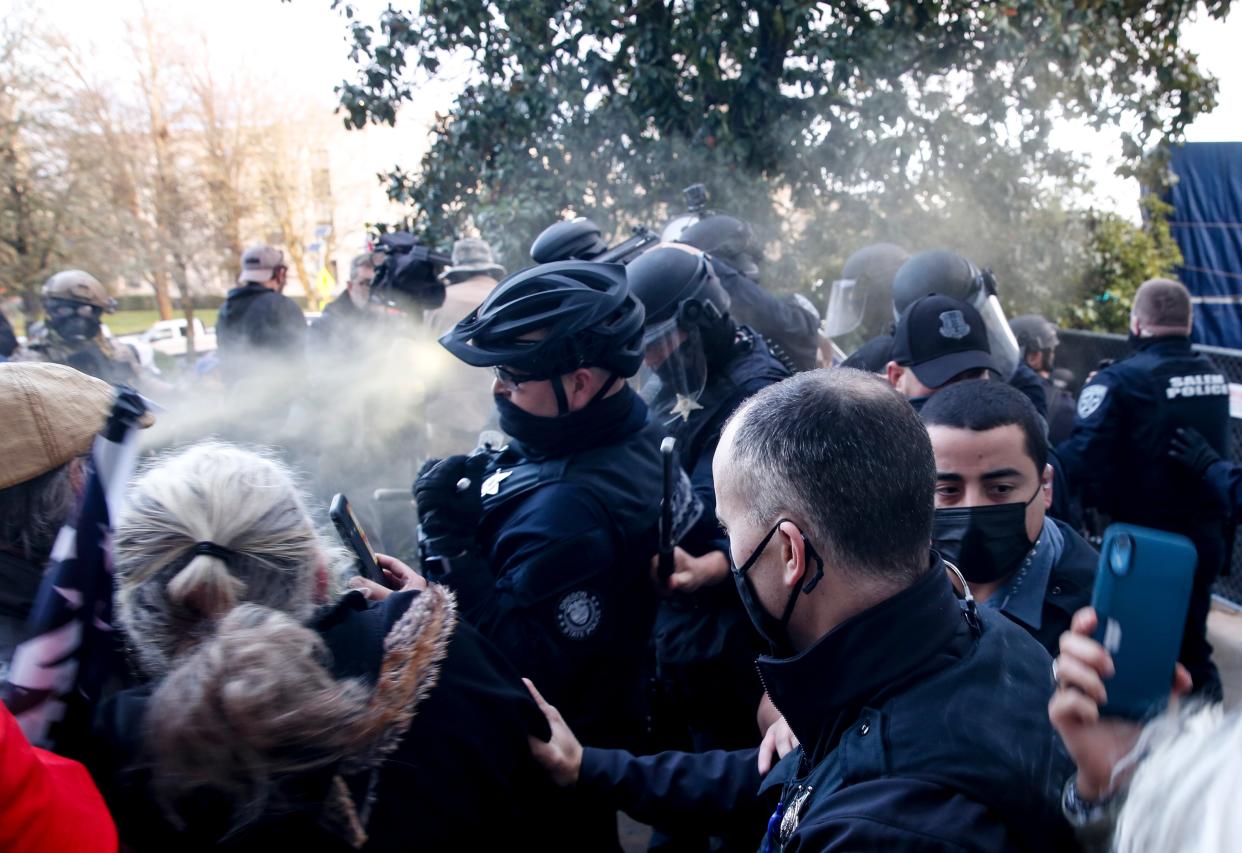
(71, 652)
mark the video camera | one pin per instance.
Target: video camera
(407, 274)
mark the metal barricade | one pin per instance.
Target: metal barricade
(1081, 353)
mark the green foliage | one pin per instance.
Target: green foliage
(1120, 257)
(827, 125)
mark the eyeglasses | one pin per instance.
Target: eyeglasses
(511, 380)
(811, 556)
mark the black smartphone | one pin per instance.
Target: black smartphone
(352, 534)
(1142, 593)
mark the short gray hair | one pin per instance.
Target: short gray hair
(847, 454)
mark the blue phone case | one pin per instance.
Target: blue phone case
(1142, 592)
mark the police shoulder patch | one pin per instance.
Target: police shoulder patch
(1091, 398)
(578, 614)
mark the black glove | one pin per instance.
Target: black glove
(447, 496)
(1191, 449)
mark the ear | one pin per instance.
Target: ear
(580, 386)
(793, 554)
(1046, 481)
(893, 373)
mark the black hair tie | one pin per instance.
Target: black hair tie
(211, 549)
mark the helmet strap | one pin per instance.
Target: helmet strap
(562, 402)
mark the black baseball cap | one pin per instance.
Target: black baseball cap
(939, 337)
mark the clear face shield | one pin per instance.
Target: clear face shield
(674, 372)
(673, 231)
(1005, 351)
(847, 301)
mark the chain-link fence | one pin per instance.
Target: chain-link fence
(1082, 352)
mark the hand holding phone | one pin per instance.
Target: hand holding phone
(1142, 593)
(352, 534)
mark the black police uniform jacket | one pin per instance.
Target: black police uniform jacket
(1117, 454)
(922, 728)
(702, 631)
(453, 719)
(561, 583)
(781, 320)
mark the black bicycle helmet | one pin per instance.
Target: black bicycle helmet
(583, 312)
(575, 238)
(669, 281)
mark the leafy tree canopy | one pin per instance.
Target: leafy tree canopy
(827, 125)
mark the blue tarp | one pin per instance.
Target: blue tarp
(1207, 225)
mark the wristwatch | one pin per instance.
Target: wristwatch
(1083, 813)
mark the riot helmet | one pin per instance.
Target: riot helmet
(552, 319)
(1035, 335)
(727, 238)
(688, 326)
(407, 274)
(75, 302)
(577, 238)
(950, 274)
(862, 296)
(696, 208)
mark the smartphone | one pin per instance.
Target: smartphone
(352, 534)
(1142, 593)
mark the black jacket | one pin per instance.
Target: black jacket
(465, 747)
(780, 319)
(254, 317)
(907, 741)
(1026, 380)
(341, 326)
(1117, 455)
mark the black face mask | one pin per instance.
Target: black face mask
(76, 328)
(986, 543)
(594, 424)
(774, 630)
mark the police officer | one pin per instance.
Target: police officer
(1116, 455)
(950, 274)
(921, 720)
(700, 366)
(993, 491)
(74, 303)
(860, 302)
(1037, 339)
(788, 324)
(547, 540)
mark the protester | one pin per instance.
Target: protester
(347, 320)
(257, 321)
(825, 483)
(8, 339)
(50, 414)
(274, 715)
(1117, 455)
(469, 280)
(75, 302)
(1168, 785)
(47, 803)
(993, 489)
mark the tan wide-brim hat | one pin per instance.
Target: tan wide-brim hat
(49, 413)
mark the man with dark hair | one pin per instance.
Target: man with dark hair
(1117, 456)
(825, 483)
(993, 489)
(939, 340)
